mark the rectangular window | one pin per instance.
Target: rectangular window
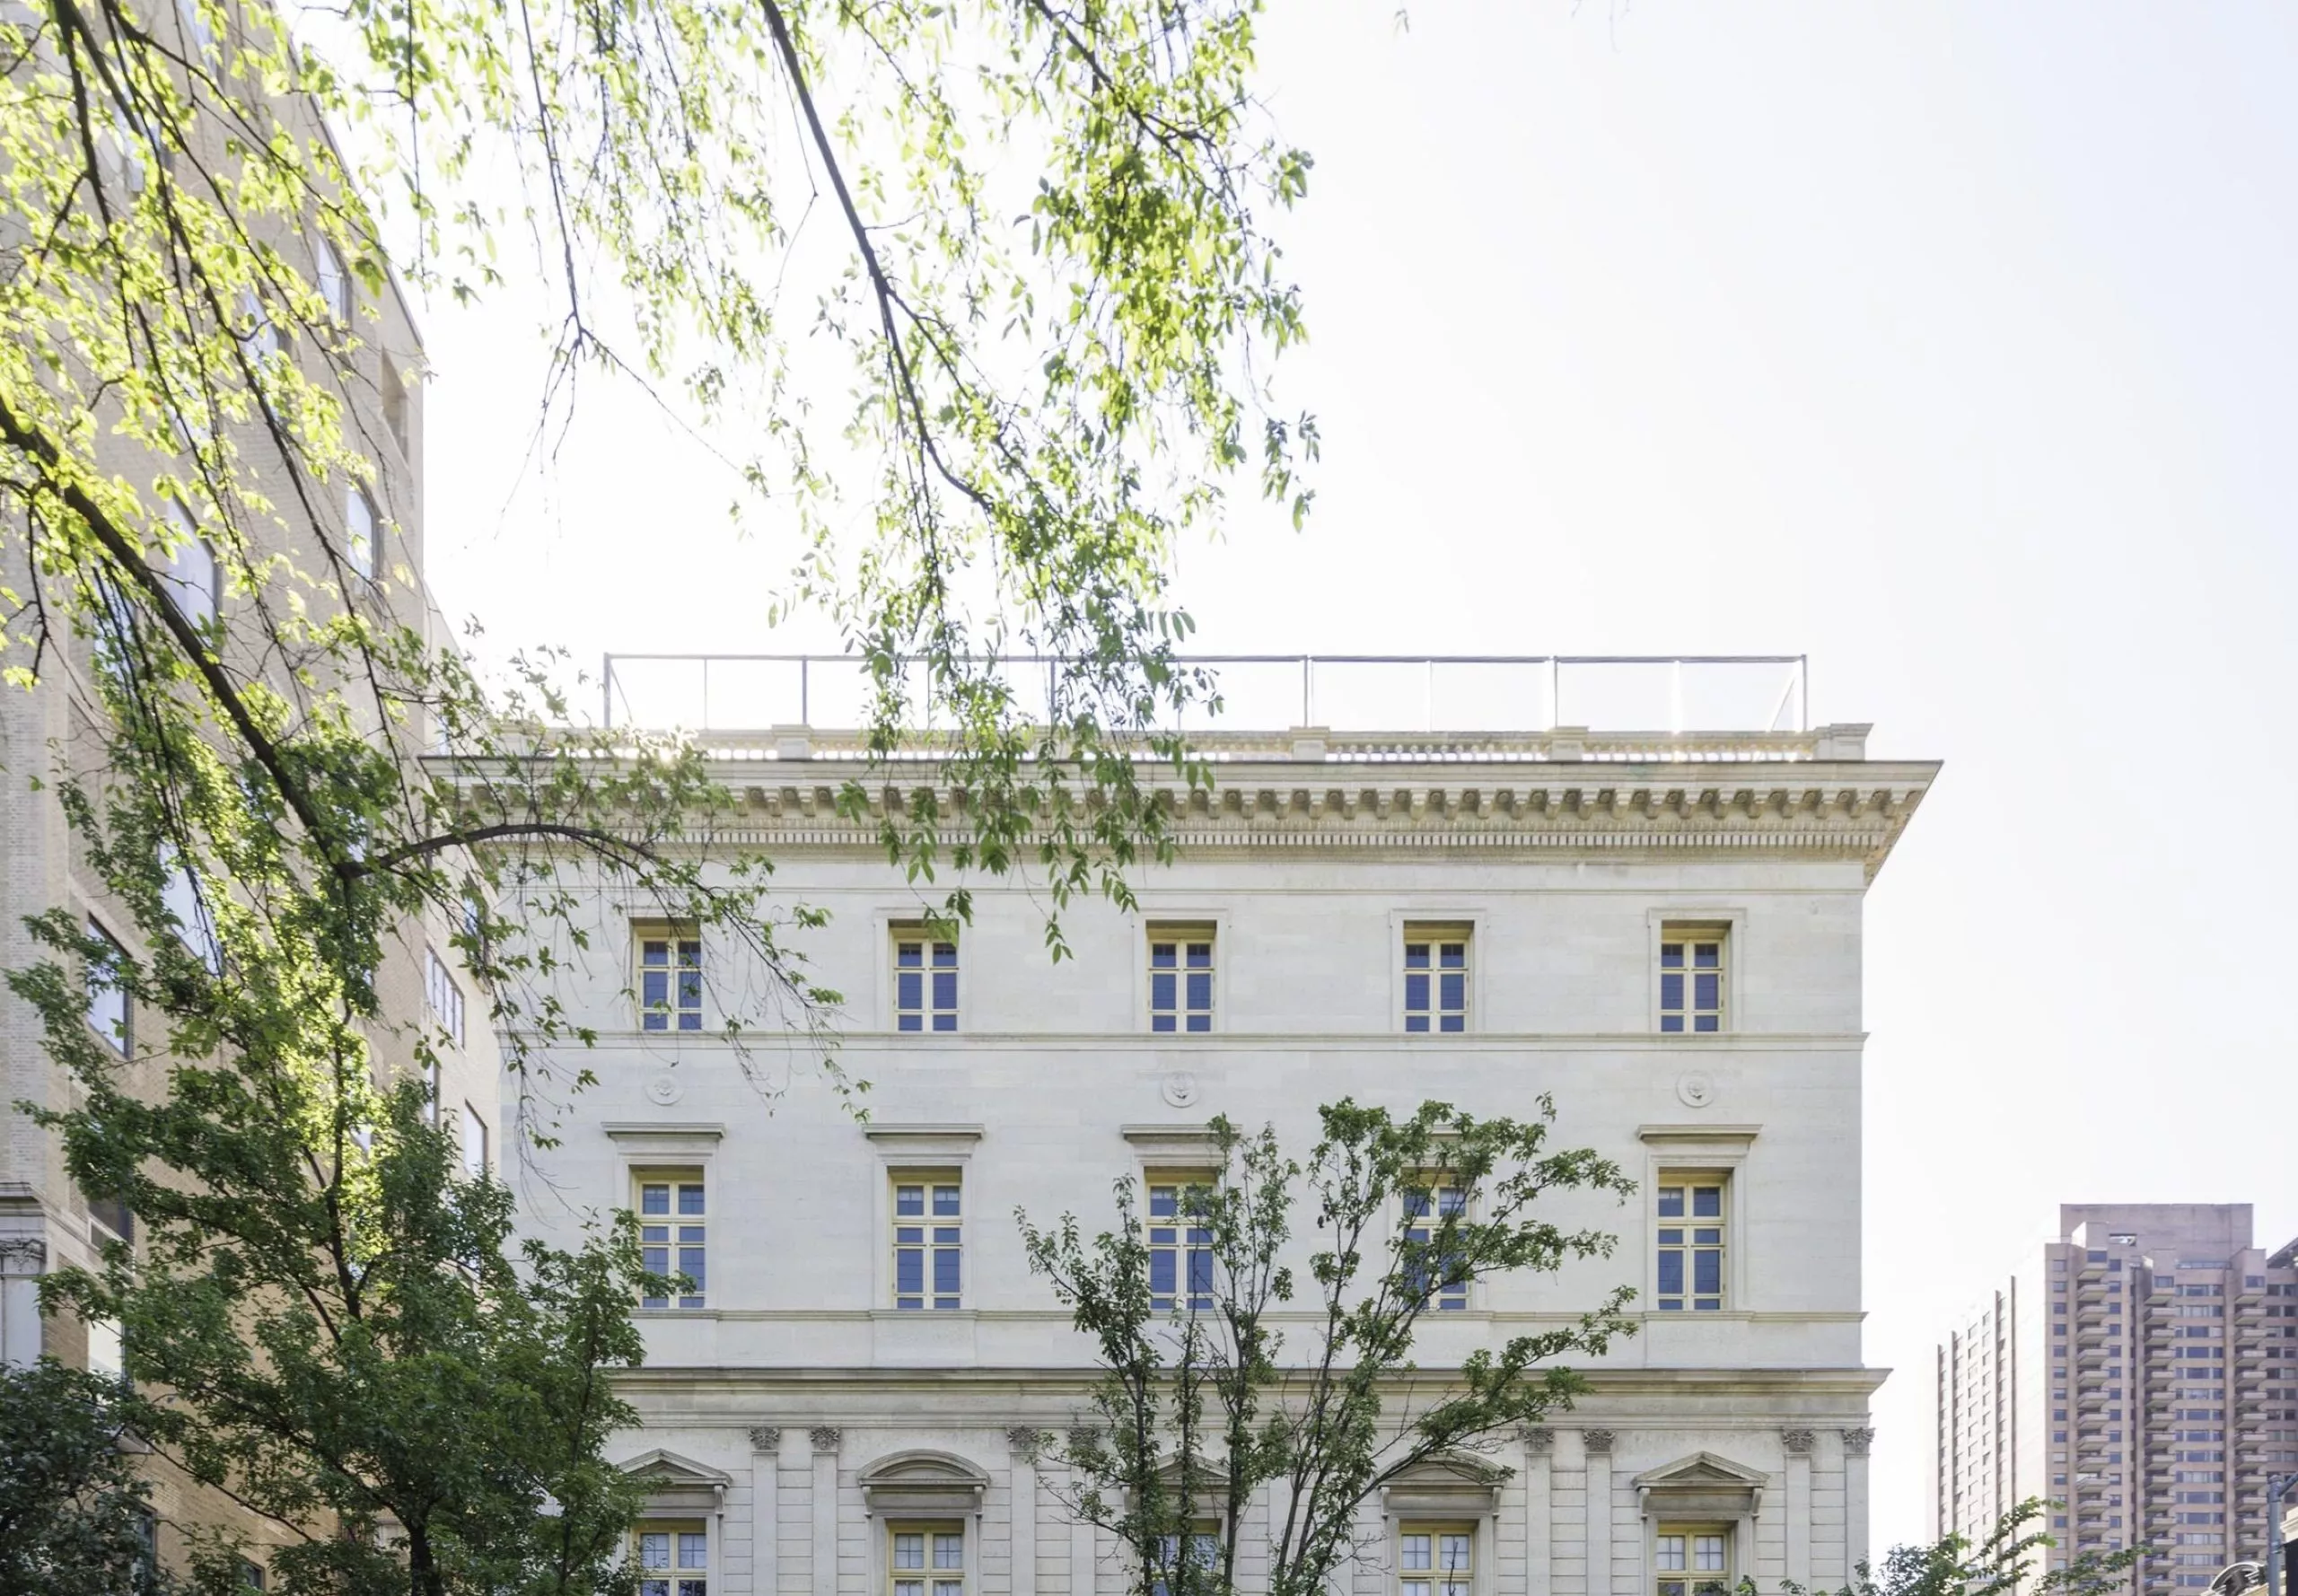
(926, 1560)
(107, 1006)
(1180, 978)
(1429, 1268)
(191, 569)
(474, 1143)
(929, 1243)
(674, 1559)
(359, 530)
(1435, 978)
(1691, 1241)
(444, 994)
(1692, 1560)
(673, 1234)
(1691, 978)
(1435, 1560)
(925, 981)
(1203, 1552)
(334, 282)
(670, 978)
(1180, 1248)
(147, 1547)
(250, 1574)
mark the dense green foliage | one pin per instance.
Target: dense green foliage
(72, 1504)
(2003, 1563)
(1200, 1409)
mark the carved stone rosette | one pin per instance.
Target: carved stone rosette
(1599, 1443)
(765, 1439)
(825, 1437)
(1798, 1443)
(1855, 1442)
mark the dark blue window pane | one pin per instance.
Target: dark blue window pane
(654, 953)
(1672, 992)
(689, 989)
(946, 1022)
(1200, 955)
(909, 955)
(909, 1271)
(1454, 991)
(1415, 1203)
(1200, 1272)
(690, 1265)
(909, 1199)
(1708, 1202)
(1709, 1306)
(655, 987)
(945, 988)
(1163, 1270)
(1706, 956)
(1165, 1199)
(945, 1199)
(1707, 992)
(654, 1260)
(654, 1233)
(1670, 1307)
(1672, 1273)
(1455, 1023)
(1671, 1022)
(1671, 955)
(910, 1233)
(1451, 1199)
(1454, 956)
(1200, 1023)
(690, 1199)
(1671, 1202)
(1200, 991)
(945, 1270)
(1161, 992)
(1416, 1022)
(909, 989)
(1671, 1238)
(690, 953)
(1708, 1238)
(1161, 1023)
(1415, 955)
(689, 1021)
(1707, 1271)
(1161, 956)
(653, 1200)
(1707, 1022)
(1415, 993)
(945, 955)
(909, 1022)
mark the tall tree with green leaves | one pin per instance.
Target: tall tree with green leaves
(1201, 1402)
(2003, 1563)
(979, 303)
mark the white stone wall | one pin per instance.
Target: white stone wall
(1054, 1087)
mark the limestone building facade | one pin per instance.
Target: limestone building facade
(1663, 931)
(2139, 1374)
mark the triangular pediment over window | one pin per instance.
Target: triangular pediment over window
(1701, 1485)
(678, 1485)
(1454, 1484)
(923, 1484)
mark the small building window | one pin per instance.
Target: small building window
(474, 1143)
(1180, 978)
(192, 575)
(673, 1234)
(334, 281)
(444, 994)
(1692, 1560)
(1691, 978)
(251, 1576)
(925, 981)
(1201, 1549)
(359, 530)
(674, 1558)
(923, 1556)
(1180, 1245)
(670, 978)
(1435, 978)
(1689, 1235)
(1436, 1560)
(929, 1241)
(109, 1010)
(1430, 1267)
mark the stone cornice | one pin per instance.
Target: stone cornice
(1848, 810)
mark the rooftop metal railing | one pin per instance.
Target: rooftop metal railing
(1704, 695)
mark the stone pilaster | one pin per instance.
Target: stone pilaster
(1855, 1442)
(1598, 1445)
(1540, 1529)
(765, 1508)
(1022, 1443)
(1798, 1444)
(826, 1442)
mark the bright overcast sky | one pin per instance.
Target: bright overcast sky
(1952, 344)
